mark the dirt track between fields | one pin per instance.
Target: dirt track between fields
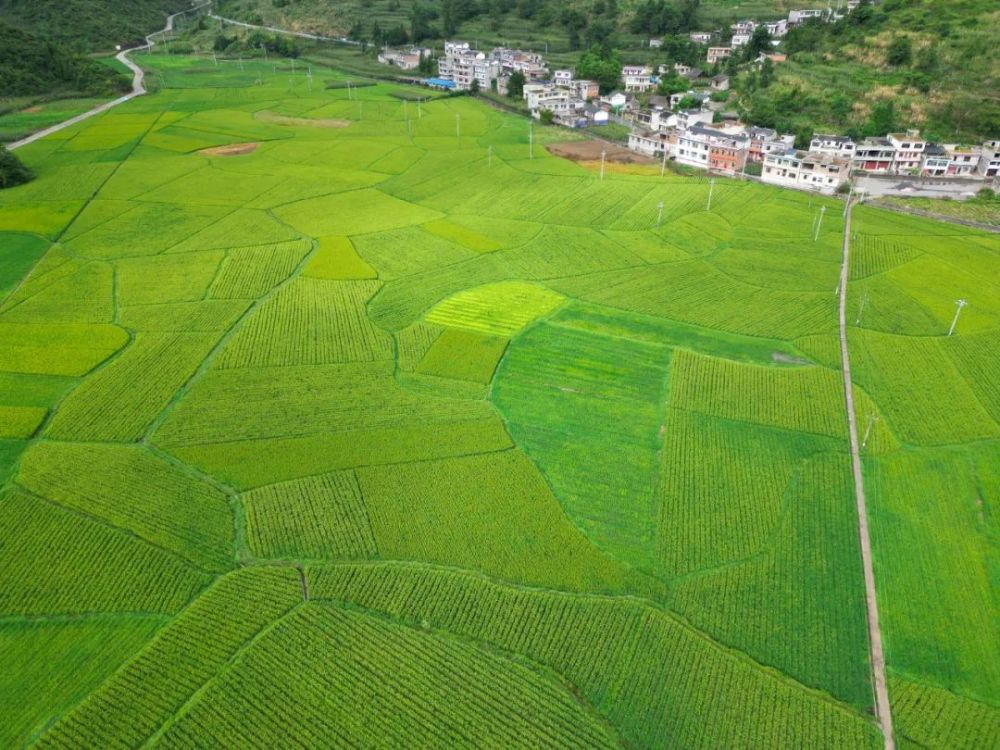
(591, 151)
(883, 711)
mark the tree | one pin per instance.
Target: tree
(546, 116)
(474, 88)
(900, 51)
(12, 171)
(601, 65)
(803, 137)
(882, 119)
(766, 73)
(515, 85)
(671, 84)
(759, 43)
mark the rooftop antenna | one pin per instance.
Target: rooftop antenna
(711, 187)
(961, 303)
(659, 214)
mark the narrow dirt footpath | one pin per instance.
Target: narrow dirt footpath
(883, 712)
(138, 88)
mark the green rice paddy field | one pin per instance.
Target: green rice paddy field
(378, 432)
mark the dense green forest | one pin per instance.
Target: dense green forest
(89, 25)
(31, 65)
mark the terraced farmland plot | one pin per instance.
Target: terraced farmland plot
(318, 429)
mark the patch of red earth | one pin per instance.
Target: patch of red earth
(591, 151)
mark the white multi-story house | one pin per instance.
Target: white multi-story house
(822, 173)
(464, 65)
(404, 59)
(875, 155)
(557, 101)
(964, 159)
(935, 162)
(835, 145)
(563, 78)
(700, 37)
(743, 27)
(647, 142)
(715, 54)
(796, 17)
(764, 141)
(776, 29)
(740, 39)
(637, 78)
(655, 43)
(688, 118)
(909, 151)
(707, 148)
(989, 166)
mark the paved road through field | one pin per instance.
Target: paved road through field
(138, 87)
(883, 712)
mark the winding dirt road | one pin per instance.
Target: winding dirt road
(883, 712)
(138, 86)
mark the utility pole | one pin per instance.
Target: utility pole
(349, 90)
(659, 214)
(458, 127)
(489, 157)
(819, 223)
(406, 115)
(872, 419)
(419, 112)
(215, 59)
(603, 152)
(861, 309)
(711, 187)
(961, 303)
(849, 196)
(531, 140)
(663, 161)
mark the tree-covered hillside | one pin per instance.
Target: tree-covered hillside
(932, 64)
(89, 24)
(31, 65)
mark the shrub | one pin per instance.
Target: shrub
(12, 171)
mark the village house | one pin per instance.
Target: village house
(822, 173)
(647, 142)
(690, 117)
(699, 96)
(743, 27)
(796, 17)
(708, 148)
(716, 54)
(835, 145)
(556, 101)
(935, 162)
(989, 166)
(655, 43)
(584, 89)
(719, 82)
(404, 59)
(964, 160)
(563, 78)
(909, 147)
(739, 40)
(764, 141)
(616, 100)
(776, 29)
(637, 78)
(700, 37)
(463, 65)
(530, 64)
(595, 115)
(875, 155)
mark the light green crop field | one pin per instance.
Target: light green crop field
(328, 418)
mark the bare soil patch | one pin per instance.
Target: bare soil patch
(311, 122)
(235, 149)
(591, 151)
(36, 108)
